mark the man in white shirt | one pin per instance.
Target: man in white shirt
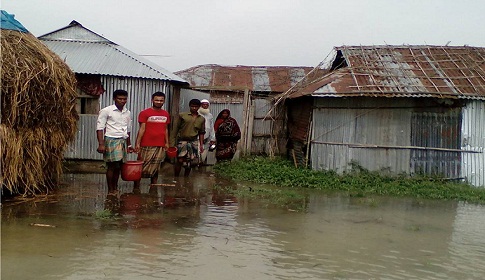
(113, 132)
(209, 137)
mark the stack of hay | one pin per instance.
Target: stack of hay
(38, 115)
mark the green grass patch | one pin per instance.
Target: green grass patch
(358, 183)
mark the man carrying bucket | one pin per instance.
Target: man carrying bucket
(113, 132)
(188, 133)
(152, 138)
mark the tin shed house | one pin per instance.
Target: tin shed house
(395, 109)
(102, 66)
(247, 92)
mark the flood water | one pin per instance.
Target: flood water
(193, 230)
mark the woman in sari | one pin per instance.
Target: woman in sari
(227, 134)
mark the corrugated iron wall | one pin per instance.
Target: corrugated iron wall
(268, 131)
(345, 130)
(386, 135)
(473, 138)
(139, 98)
(187, 94)
(86, 143)
(438, 130)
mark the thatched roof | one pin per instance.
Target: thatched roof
(38, 116)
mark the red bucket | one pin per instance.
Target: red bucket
(131, 170)
(172, 152)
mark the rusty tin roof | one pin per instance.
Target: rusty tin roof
(401, 71)
(267, 79)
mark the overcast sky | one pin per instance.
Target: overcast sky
(186, 33)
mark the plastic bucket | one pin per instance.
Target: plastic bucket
(131, 170)
(172, 152)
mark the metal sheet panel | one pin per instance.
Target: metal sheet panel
(89, 53)
(341, 136)
(401, 139)
(386, 127)
(86, 143)
(262, 107)
(260, 79)
(187, 94)
(473, 138)
(107, 59)
(330, 130)
(263, 123)
(75, 32)
(436, 129)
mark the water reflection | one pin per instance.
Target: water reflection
(467, 244)
(191, 229)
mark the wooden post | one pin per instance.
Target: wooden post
(294, 158)
(309, 142)
(174, 105)
(244, 131)
(249, 136)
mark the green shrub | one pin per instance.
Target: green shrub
(357, 182)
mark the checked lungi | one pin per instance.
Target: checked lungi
(152, 158)
(189, 151)
(115, 149)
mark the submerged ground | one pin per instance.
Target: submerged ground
(208, 227)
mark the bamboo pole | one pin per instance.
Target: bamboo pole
(356, 145)
(162, 185)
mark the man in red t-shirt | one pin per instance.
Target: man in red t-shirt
(152, 138)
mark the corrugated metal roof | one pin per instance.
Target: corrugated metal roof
(255, 78)
(402, 71)
(88, 53)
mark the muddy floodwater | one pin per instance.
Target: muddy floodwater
(192, 229)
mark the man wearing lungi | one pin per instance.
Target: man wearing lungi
(152, 139)
(188, 132)
(113, 132)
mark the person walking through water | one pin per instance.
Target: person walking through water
(188, 134)
(113, 130)
(227, 134)
(152, 139)
(209, 136)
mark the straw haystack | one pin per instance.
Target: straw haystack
(38, 116)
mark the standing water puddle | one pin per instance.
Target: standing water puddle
(191, 231)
